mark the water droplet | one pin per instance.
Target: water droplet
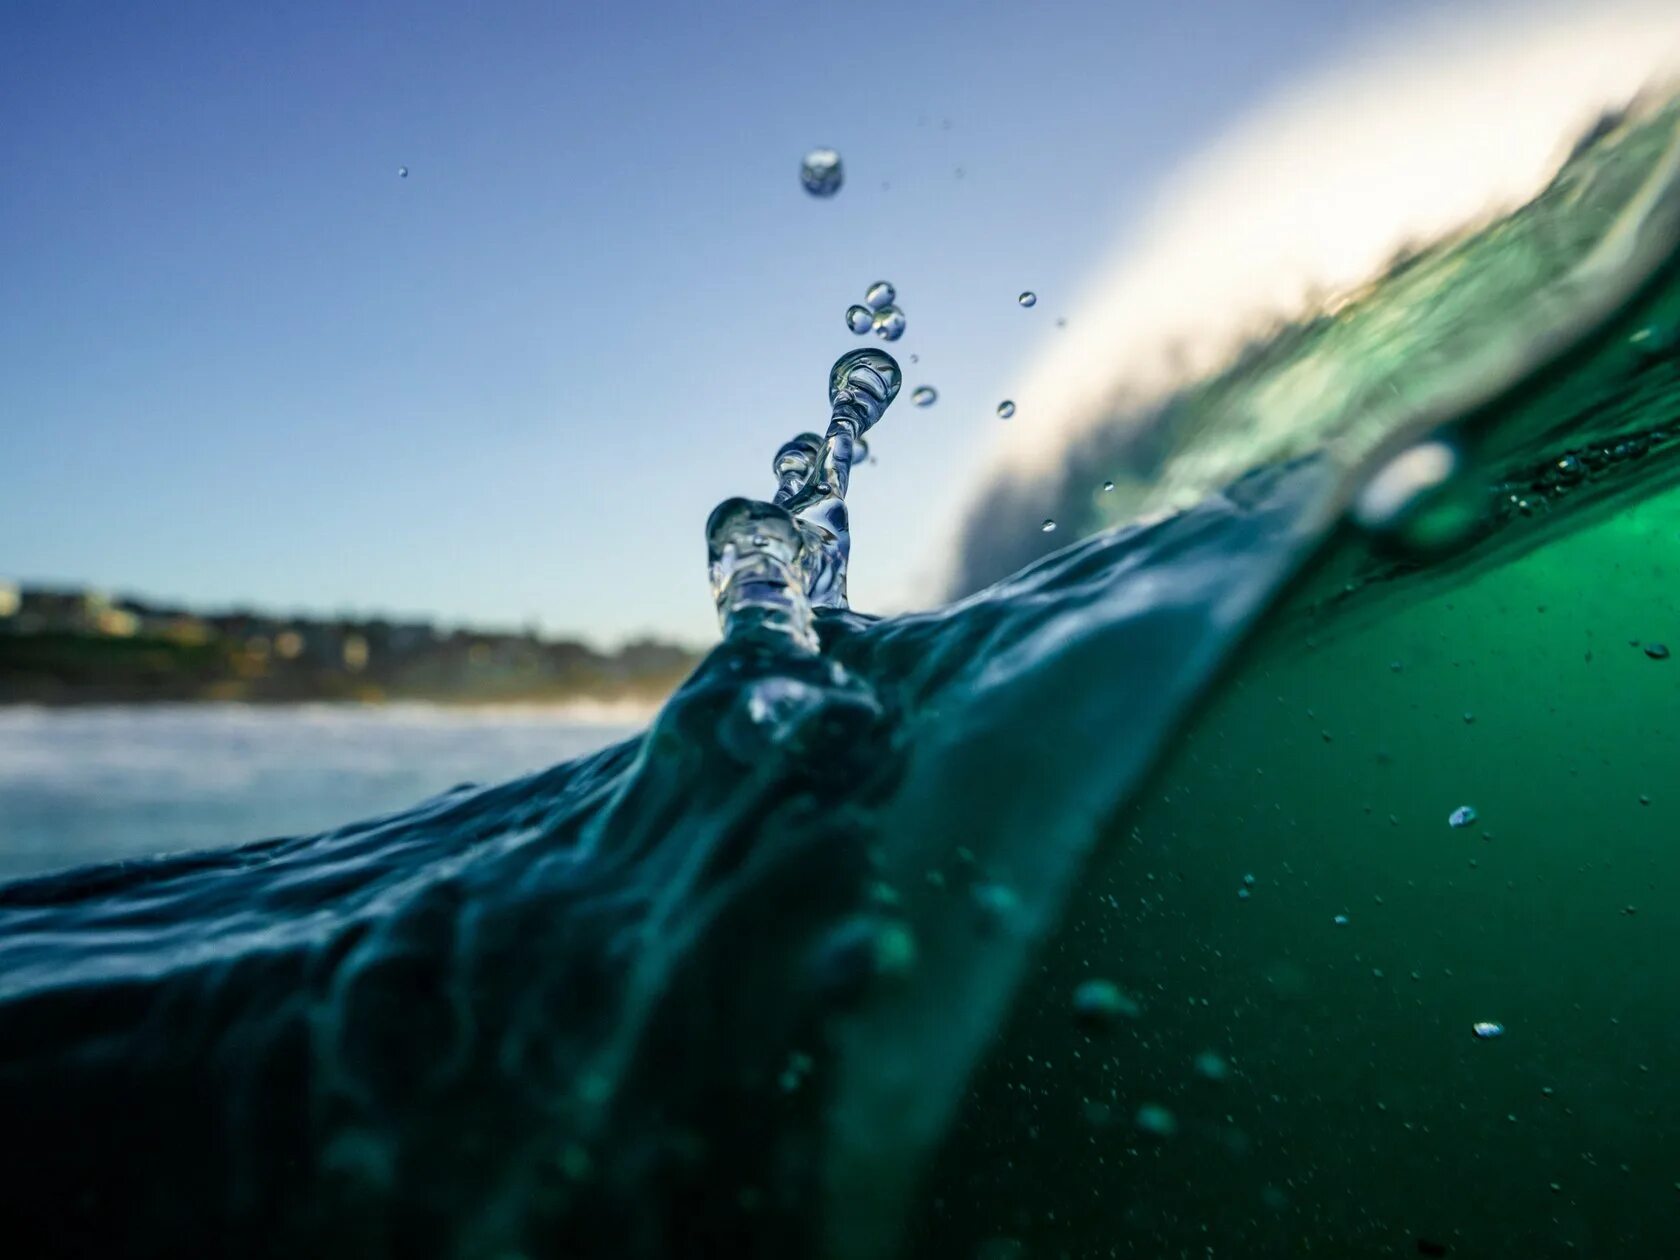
(402, 172)
(1028, 298)
(924, 396)
(1463, 816)
(1155, 1119)
(860, 319)
(1107, 486)
(879, 296)
(1341, 920)
(1049, 526)
(889, 323)
(1487, 1029)
(1005, 409)
(822, 173)
(1098, 1003)
(860, 451)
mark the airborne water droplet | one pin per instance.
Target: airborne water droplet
(1005, 409)
(879, 296)
(924, 396)
(860, 319)
(1049, 527)
(822, 173)
(889, 323)
(1028, 298)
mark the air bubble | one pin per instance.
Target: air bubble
(889, 323)
(924, 396)
(879, 296)
(1005, 409)
(1049, 526)
(1028, 298)
(860, 319)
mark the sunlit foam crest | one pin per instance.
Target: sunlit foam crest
(1435, 128)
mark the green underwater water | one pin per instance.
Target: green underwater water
(1360, 1114)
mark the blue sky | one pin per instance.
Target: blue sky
(241, 360)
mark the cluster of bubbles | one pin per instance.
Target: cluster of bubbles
(822, 173)
(878, 312)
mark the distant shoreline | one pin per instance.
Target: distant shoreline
(623, 712)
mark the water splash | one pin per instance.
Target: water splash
(772, 563)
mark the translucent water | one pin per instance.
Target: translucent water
(924, 396)
(1005, 409)
(860, 319)
(1027, 298)
(821, 172)
(879, 296)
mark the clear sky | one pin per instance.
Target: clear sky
(242, 360)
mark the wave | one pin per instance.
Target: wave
(718, 988)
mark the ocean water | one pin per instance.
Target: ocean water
(96, 784)
(1111, 910)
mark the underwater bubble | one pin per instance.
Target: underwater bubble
(1049, 527)
(1487, 1029)
(1098, 1003)
(924, 396)
(1155, 1119)
(998, 904)
(1463, 816)
(1005, 409)
(1211, 1066)
(1108, 486)
(402, 172)
(1248, 881)
(821, 172)
(1420, 500)
(1341, 920)
(1028, 298)
(860, 319)
(1656, 651)
(860, 451)
(889, 324)
(879, 296)
(1243, 894)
